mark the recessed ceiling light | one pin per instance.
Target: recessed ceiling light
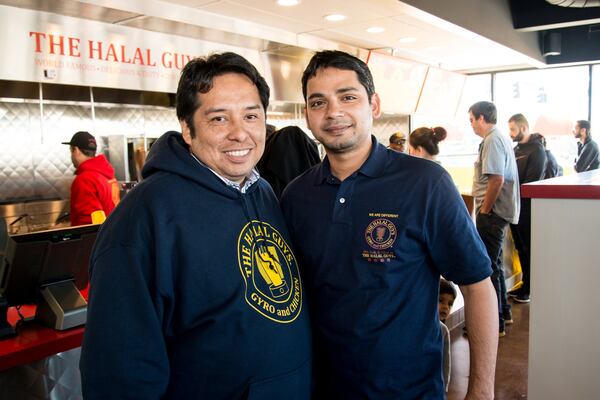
(408, 39)
(288, 3)
(375, 29)
(335, 17)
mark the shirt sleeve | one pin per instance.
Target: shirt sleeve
(447, 355)
(493, 161)
(451, 237)
(123, 353)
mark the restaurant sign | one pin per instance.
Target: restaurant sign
(45, 47)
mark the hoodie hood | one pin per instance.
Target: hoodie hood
(288, 153)
(534, 139)
(531, 159)
(534, 142)
(171, 154)
(97, 164)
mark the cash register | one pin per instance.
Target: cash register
(47, 269)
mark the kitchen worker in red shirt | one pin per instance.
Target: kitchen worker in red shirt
(95, 191)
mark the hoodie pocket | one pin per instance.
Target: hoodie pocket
(294, 385)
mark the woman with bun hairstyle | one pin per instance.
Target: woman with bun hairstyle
(423, 142)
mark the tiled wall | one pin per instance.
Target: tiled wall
(34, 165)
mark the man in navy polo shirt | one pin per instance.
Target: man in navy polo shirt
(374, 230)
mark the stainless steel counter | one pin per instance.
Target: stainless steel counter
(35, 215)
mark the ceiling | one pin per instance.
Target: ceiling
(451, 35)
(577, 24)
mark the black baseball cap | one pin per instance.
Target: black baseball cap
(83, 140)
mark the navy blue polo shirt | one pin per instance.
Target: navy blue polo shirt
(371, 250)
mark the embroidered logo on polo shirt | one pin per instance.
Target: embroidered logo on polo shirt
(380, 235)
(270, 272)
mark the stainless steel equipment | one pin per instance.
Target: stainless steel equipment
(35, 216)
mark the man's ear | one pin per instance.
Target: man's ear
(376, 105)
(185, 132)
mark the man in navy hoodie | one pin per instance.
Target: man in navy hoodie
(195, 290)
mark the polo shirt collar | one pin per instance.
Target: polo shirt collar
(375, 164)
(373, 167)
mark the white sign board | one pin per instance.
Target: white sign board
(45, 47)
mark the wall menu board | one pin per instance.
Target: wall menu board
(397, 81)
(441, 92)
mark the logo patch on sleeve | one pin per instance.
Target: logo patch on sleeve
(270, 272)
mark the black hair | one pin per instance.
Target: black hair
(427, 138)
(485, 108)
(447, 287)
(340, 60)
(87, 153)
(585, 124)
(198, 75)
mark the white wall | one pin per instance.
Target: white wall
(564, 327)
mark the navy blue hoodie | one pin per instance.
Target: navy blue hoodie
(195, 291)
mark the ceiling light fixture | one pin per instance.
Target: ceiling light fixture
(375, 29)
(335, 17)
(288, 3)
(408, 39)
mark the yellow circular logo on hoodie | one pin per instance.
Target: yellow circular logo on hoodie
(270, 272)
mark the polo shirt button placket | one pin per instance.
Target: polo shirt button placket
(340, 210)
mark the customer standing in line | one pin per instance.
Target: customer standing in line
(497, 195)
(424, 142)
(587, 150)
(531, 166)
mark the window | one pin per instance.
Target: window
(459, 151)
(595, 117)
(551, 100)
